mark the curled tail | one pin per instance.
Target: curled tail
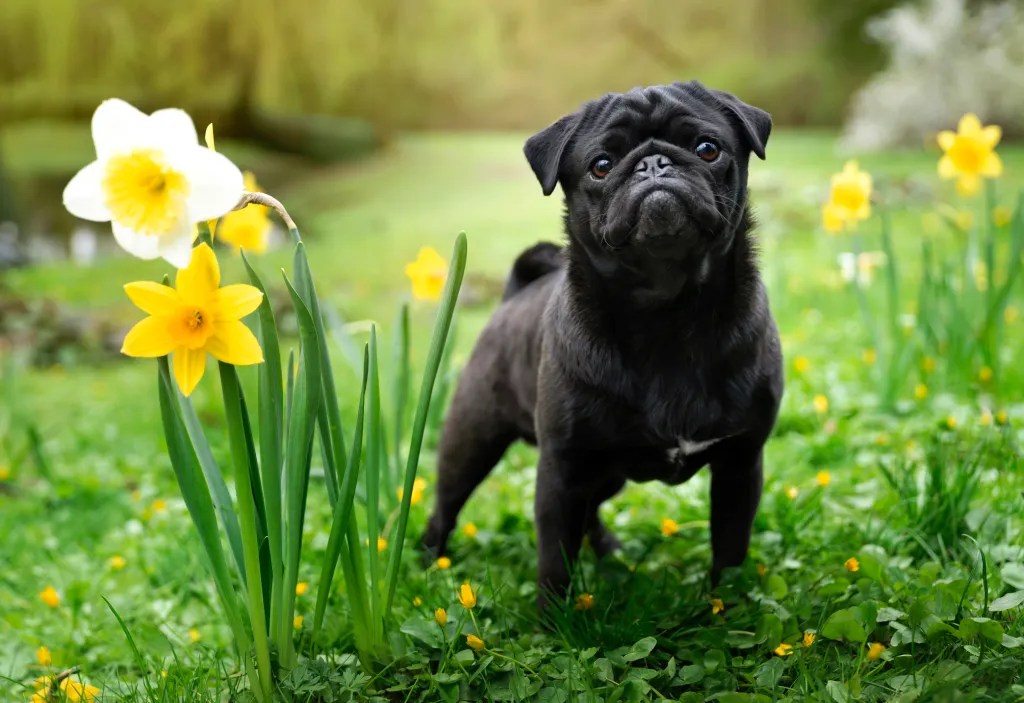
(537, 261)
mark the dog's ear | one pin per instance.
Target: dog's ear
(756, 123)
(544, 150)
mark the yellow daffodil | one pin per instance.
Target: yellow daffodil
(1001, 417)
(1001, 216)
(717, 606)
(823, 478)
(297, 622)
(49, 596)
(301, 588)
(852, 565)
(118, 562)
(443, 563)
(970, 154)
(197, 318)
(470, 530)
(428, 274)
(584, 601)
(986, 418)
(951, 422)
(809, 638)
(152, 180)
(194, 635)
(762, 570)
(669, 527)
(784, 650)
(248, 228)
(875, 651)
(441, 617)
(467, 596)
(418, 486)
(820, 404)
(474, 642)
(869, 357)
(417, 601)
(849, 199)
(43, 656)
(801, 364)
(792, 492)
(78, 692)
(920, 391)
(1010, 314)
(985, 374)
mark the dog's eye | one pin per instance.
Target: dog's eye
(601, 167)
(707, 151)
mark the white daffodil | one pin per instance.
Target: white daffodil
(152, 181)
(860, 267)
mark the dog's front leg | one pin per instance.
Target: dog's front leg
(562, 510)
(736, 482)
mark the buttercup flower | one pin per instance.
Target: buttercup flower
(869, 357)
(418, 486)
(152, 181)
(823, 478)
(717, 606)
(849, 199)
(441, 617)
(951, 422)
(1001, 417)
(301, 588)
(5, 472)
(986, 418)
(852, 564)
(669, 527)
(792, 492)
(820, 404)
(78, 692)
(297, 622)
(467, 596)
(784, 650)
(985, 374)
(809, 638)
(928, 364)
(801, 364)
(970, 154)
(49, 596)
(474, 642)
(920, 391)
(194, 635)
(197, 318)
(43, 655)
(584, 601)
(382, 544)
(417, 601)
(470, 530)
(428, 274)
(762, 570)
(1001, 216)
(875, 651)
(444, 563)
(159, 506)
(118, 562)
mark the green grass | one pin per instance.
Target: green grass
(905, 488)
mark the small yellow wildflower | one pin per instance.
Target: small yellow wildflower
(717, 606)
(875, 651)
(584, 601)
(820, 404)
(809, 638)
(801, 364)
(870, 356)
(427, 274)
(1010, 314)
(194, 635)
(78, 692)
(469, 530)
(669, 526)
(467, 596)
(417, 601)
(297, 622)
(986, 418)
(762, 570)
(49, 596)
(5, 472)
(1001, 417)
(382, 544)
(970, 154)
(784, 650)
(43, 683)
(985, 374)
(792, 492)
(159, 506)
(928, 364)
(301, 588)
(118, 562)
(852, 564)
(444, 563)
(418, 486)
(882, 439)
(43, 655)
(823, 478)
(951, 422)
(474, 642)
(920, 391)
(1001, 215)
(441, 617)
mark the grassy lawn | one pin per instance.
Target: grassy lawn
(905, 487)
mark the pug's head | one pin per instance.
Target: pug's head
(654, 179)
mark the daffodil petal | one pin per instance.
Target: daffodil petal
(153, 298)
(991, 135)
(175, 128)
(83, 195)
(947, 169)
(216, 184)
(143, 246)
(118, 126)
(863, 212)
(234, 343)
(199, 281)
(176, 247)
(992, 167)
(148, 339)
(946, 139)
(189, 366)
(969, 125)
(236, 301)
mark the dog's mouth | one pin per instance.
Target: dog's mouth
(657, 216)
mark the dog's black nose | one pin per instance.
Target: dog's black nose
(653, 166)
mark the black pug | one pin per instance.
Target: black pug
(645, 349)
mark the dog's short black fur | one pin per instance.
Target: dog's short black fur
(645, 349)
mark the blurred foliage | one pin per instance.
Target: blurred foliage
(425, 63)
